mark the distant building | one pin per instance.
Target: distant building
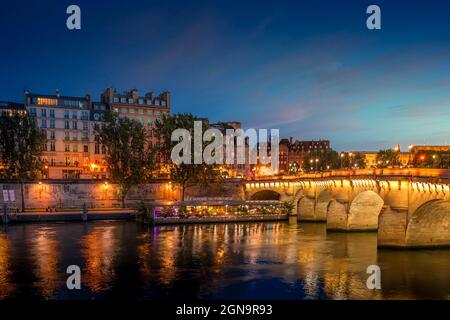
(372, 162)
(292, 152)
(7, 108)
(415, 149)
(144, 109)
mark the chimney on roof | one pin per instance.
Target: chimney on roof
(134, 93)
(290, 140)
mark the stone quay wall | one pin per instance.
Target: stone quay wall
(98, 194)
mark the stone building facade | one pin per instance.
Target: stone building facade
(72, 150)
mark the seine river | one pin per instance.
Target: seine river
(123, 260)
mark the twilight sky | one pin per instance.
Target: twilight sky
(310, 68)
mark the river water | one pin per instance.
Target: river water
(282, 260)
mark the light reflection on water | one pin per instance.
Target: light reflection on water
(215, 261)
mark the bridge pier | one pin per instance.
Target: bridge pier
(337, 215)
(306, 207)
(392, 225)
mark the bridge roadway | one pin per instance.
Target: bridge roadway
(409, 208)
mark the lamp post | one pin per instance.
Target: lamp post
(350, 159)
(342, 158)
(317, 162)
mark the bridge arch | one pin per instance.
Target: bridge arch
(265, 195)
(364, 211)
(429, 225)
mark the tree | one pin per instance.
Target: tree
(431, 159)
(352, 160)
(21, 144)
(321, 160)
(387, 157)
(128, 156)
(185, 175)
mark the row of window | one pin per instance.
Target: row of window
(66, 124)
(83, 116)
(84, 136)
(52, 147)
(138, 111)
(75, 148)
(54, 102)
(141, 101)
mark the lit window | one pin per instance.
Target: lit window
(47, 101)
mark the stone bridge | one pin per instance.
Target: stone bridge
(408, 208)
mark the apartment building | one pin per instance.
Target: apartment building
(73, 150)
(145, 109)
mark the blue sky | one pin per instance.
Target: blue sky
(310, 68)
